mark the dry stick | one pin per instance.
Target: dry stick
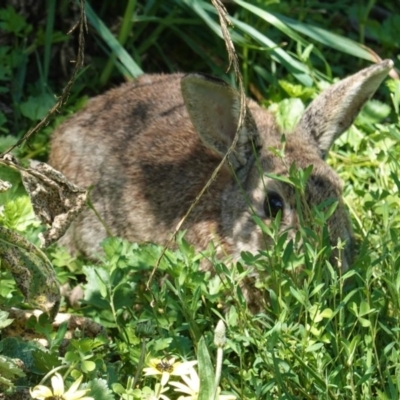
(233, 60)
(82, 23)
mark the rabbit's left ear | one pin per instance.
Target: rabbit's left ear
(214, 109)
(334, 110)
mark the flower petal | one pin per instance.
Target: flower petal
(40, 392)
(183, 368)
(165, 378)
(192, 381)
(57, 382)
(151, 371)
(180, 387)
(74, 386)
(154, 362)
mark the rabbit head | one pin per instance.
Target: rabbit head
(214, 110)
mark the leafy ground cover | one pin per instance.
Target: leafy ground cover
(322, 334)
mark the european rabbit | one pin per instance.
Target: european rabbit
(149, 146)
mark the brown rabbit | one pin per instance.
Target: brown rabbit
(149, 146)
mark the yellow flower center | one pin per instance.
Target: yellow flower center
(164, 366)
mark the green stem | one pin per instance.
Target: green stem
(140, 363)
(98, 216)
(48, 38)
(53, 371)
(218, 370)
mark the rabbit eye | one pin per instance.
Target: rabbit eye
(273, 204)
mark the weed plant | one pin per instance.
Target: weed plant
(321, 334)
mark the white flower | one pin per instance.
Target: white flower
(166, 368)
(57, 392)
(157, 394)
(192, 388)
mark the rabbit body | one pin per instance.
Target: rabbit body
(148, 147)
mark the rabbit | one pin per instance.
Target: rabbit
(149, 146)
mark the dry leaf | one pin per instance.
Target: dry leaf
(32, 271)
(55, 200)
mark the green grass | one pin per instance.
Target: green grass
(321, 335)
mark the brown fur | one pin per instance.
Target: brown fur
(148, 152)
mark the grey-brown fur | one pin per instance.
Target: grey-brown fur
(138, 147)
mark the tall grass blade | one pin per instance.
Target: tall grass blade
(48, 38)
(115, 47)
(126, 27)
(296, 68)
(329, 39)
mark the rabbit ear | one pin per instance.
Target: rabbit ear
(214, 109)
(332, 112)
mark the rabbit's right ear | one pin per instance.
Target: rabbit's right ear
(334, 110)
(214, 109)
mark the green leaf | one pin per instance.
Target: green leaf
(314, 347)
(298, 294)
(88, 366)
(353, 347)
(288, 113)
(326, 313)
(4, 321)
(99, 389)
(45, 361)
(295, 90)
(9, 372)
(8, 368)
(118, 388)
(364, 308)
(162, 343)
(280, 178)
(394, 87)
(13, 22)
(41, 325)
(18, 214)
(16, 348)
(71, 357)
(372, 113)
(364, 322)
(206, 372)
(36, 108)
(96, 290)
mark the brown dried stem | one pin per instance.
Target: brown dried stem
(82, 23)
